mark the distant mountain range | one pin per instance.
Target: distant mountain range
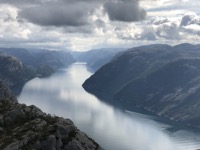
(97, 57)
(160, 78)
(40, 58)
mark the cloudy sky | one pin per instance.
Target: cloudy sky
(87, 24)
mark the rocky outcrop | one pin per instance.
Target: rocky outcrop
(5, 93)
(27, 127)
(13, 72)
(11, 64)
(159, 78)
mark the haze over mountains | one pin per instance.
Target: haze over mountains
(97, 57)
(160, 78)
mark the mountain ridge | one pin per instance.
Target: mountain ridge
(160, 78)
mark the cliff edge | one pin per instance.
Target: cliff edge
(27, 127)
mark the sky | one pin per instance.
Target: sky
(81, 25)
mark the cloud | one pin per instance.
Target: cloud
(190, 19)
(56, 15)
(75, 12)
(85, 24)
(123, 10)
(185, 28)
(148, 34)
(22, 3)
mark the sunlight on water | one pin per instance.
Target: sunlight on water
(62, 95)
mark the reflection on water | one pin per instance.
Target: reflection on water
(62, 95)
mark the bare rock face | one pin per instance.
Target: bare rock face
(12, 64)
(5, 93)
(12, 72)
(27, 127)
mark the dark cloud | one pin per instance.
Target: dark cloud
(21, 3)
(190, 19)
(186, 20)
(127, 11)
(81, 29)
(75, 12)
(56, 15)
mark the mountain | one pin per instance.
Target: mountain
(20, 53)
(160, 78)
(27, 127)
(5, 93)
(18, 65)
(15, 74)
(40, 58)
(97, 57)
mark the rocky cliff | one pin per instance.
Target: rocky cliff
(14, 73)
(159, 78)
(27, 127)
(18, 65)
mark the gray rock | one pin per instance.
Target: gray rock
(27, 127)
(14, 116)
(1, 120)
(59, 143)
(39, 124)
(1, 131)
(63, 131)
(5, 93)
(49, 144)
(14, 146)
(37, 145)
(73, 145)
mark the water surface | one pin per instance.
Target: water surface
(62, 94)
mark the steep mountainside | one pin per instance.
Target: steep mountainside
(14, 73)
(159, 78)
(5, 93)
(17, 65)
(97, 57)
(27, 127)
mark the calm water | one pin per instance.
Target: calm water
(62, 95)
